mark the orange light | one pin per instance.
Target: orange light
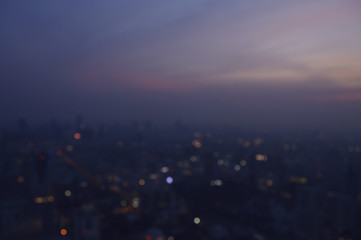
(197, 143)
(39, 200)
(20, 179)
(148, 237)
(69, 148)
(59, 152)
(63, 232)
(77, 136)
(141, 182)
(50, 198)
(269, 182)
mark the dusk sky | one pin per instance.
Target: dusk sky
(253, 63)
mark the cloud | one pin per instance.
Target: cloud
(253, 62)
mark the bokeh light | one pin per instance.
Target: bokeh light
(77, 136)
(169, 180)
(63, 232)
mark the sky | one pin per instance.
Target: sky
(253, 63)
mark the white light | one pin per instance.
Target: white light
(67, 193)
(218, 182)
(135, 203)
(237, 168)
(164, 169)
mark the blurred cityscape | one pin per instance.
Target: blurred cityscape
(144, 181)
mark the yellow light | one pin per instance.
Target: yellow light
(170, 238)
(63, 232)
(197, 220)
(39, 200)
(260, 157)
(69, 148)
(44, 199)
(153, 176)
(141, 182)
(302, 180)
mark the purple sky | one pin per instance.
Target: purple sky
(268, 63)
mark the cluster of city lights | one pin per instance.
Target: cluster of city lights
(197, 143)
(298, 180)
(261, 157)
(47, 199)
(216, 182)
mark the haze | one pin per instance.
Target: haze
(252, 63)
